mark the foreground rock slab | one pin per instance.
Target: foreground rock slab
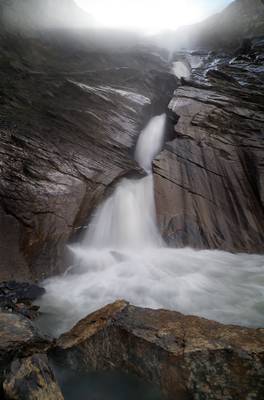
(187, 356)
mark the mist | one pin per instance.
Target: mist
(150, 17)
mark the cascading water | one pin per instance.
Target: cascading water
(123, 256)
(127, 220)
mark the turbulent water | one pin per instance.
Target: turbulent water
(181, 70)
(123, 256)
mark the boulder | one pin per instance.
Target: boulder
(187, 356)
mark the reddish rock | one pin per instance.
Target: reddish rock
(187, 356)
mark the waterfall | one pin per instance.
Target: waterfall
(123, 256)
(150, 142)
(126, 219)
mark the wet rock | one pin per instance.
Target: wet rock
(209, 178)
(18, 297)
(187, 356)
(215, 74)
(31, 379)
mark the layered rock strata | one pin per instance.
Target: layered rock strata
(209, 179)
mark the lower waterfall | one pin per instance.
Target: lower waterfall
(123, 256)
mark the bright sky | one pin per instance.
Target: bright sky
(150, 16)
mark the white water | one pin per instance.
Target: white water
(150, 142)
(181, 70)
(123, 256)
(127, 219)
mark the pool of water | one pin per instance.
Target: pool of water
(108, 385)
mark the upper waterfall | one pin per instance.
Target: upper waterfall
(150, 142)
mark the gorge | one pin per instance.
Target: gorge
(131, 206)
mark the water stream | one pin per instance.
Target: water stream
(123, 256)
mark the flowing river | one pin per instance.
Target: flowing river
(123, 256)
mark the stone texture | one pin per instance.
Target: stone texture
(189, 357)
(18, 336)
(31, 379)
(209, 178)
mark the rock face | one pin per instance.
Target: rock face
(189, 357)
(31, 379)
(70, 115)
(209, 179)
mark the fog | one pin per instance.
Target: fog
(142, 16)
(150, 16)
